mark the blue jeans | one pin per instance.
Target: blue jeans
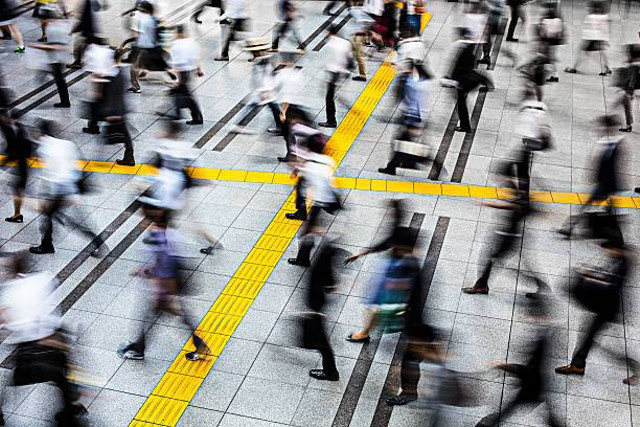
(414, 23)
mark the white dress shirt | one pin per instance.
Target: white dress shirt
(60, 158)
(339, 55)
(185, 54)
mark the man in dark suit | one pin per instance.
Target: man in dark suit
(516, 13)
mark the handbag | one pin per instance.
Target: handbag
(595, 293)
(116, 133)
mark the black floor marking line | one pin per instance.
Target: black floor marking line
(253, 113)
(50, 95)
(326, 39)
(68, 302)
(447, 138)
(383, 412)
(358, 377)
(467, 143)
(37, 90)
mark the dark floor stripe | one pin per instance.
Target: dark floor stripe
(48, 96)
(326, 39)
(383, 411)
(228, 138)
(352, 393)
(467, 143)
(322, 27)
(221, 123)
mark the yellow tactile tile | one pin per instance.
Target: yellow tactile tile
(205, 173)
(541, 196)
(147, 170)
(231, 304)
(101, 167)
(284, 178)
(219, 323)
(427, 188)
(273, 243)
(264, 257)
(215, 342)
(232, 175)
(455, 190)
(622, 202)
(363, 184)
(198, 369)
(260, 177)
(347, 183)
(161, 410)
(253, 272)
(243, 288)
(176, 386)
(282, 230)
(400, 186)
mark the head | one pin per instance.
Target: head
(404, 241)
(332, 30)
(46, 127)
(146, 7)
(463, 33)
(18, 264)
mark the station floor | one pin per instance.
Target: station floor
(248, 297)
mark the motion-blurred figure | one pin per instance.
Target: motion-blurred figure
(160, 203)
(211, 3)
(517, 13)
(87, 30)
(599, 290)
(628, 81)
(9, 11)
(321, 282)
(235, 19)
(494, 15)
(550, 32)
(315, 171)
(338, 64)
(535, 129)
(287, 15)
(467, 77)
(391, 298)
(41, 344)
(185, 59)
(57, 48)
(63, 180)
(18, 149)
(607, 172)
(359, 39)
(596, 33)
(532, 373)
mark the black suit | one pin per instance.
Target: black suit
(468, 78)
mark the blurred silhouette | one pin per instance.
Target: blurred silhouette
(627, 79)
(18, 149)
(596, 33)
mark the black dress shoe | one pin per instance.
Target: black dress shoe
(359, 79)
(194, 122)
(400, 400)
(319, 374)
(294, 261)
(74, 66)
(61, 105)
(126, 162)
(358, 340)
(476, 290)
(387, 171)
(461, 129)
(222, 59)
(627, 129)
(485, 60)
(553, 79)
(285, 159)
(40, 250)
(296, 216)
(511, 39)
(328, 125)
(17, 219)
(92, 131)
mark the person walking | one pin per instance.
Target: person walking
(628, 81)
(287, 14)
(87, 30)
(18, 149)
(217, 4)
(185, 59)
(9, 11)
(338, 64)
(238, 17)
(596, 33)
(57, 49)
(494, 15)
(517, 13)
(62, 180)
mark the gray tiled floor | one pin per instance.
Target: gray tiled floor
(261, 376)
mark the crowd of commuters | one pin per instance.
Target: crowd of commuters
(396, 301)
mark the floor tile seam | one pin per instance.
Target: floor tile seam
(284, 205)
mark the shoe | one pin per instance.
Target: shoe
(400, 400)
(319, 374)
(359, 79)
(570, 70)
(172, 76)
(627, 129)
(285, 159)
(632, 380)
(511, 39)
(16, 219)
(225, 22)
(606, 72)
(294, 261)
(461, 129)
(92, 131)
(365, 340)
(569, 369)
(531, 295)
(43, 39)
(61, 105)
(74, 66)
(194, 122)
(553, 79)
(222, 59)
(485, 60)
(473, 290)
(134, 90)
(126, 162)
(565, 232)
(208, 249)
(637, 189)
(275, 131)
(41, 250)
(20, 49)
(328, 125)
(486, 89)
(296, 216)
(386, 171)
(126, 352)
(194, 356)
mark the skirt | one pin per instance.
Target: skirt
(594, 45)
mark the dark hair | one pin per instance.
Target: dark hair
(332, 29)
(405, 237)
(147, 7)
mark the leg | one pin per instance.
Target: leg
(328, 359)
(128, 144)
(301, 202)
(330, 100)
(581, 352)
(357, 42)
(61, 84)
(135, 73)
(279, 33)
(227, 42)
(463, 112)
(275, 111)
(16, 34)
(628, 108)
(515, 13)
(410, 374)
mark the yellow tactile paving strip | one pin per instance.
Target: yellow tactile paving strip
(180, 383)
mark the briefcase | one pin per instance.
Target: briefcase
(413, 148)
(116, 133)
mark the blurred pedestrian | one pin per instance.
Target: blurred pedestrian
(62, 180)
(359, 39)
(338, 64)
(9, 11)
(18, 149)
(57, 49)
(517, 13)
(628, 81)
(185, 60)
(87, 30)
(287, 16)
(494, 15)
(237, 16)
(596, 33)
(550, 32)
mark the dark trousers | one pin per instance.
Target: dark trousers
(463, 112)
(61, 84)
(321, 343)
(504, 243)
(235, 26)
(285, 27)
(330, 98)
(579, 358)
(217, 4)
(410, 373)
(54, 211)
(294, 114)
(275, 111)
(183, 97)
(516, 13)
(128, 143)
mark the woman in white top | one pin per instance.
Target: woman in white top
(595, 36)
